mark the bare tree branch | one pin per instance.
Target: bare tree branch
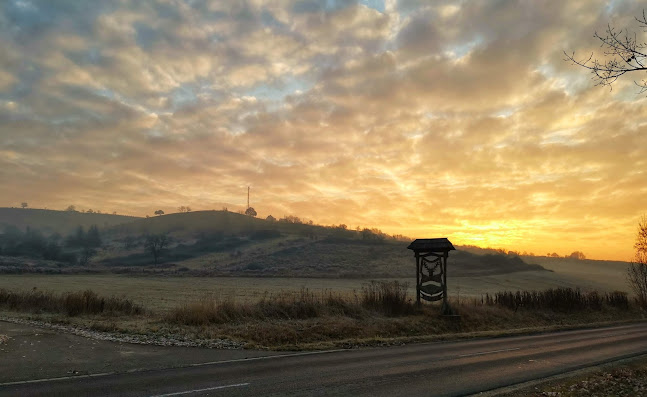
(623, 54)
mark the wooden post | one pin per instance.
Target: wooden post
(417, 279)
(445, 303)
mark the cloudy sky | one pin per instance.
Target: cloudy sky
(426, 118)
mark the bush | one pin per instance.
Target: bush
(557, 299)
(70, 303)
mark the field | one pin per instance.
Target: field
(162, 292)
(611, 274)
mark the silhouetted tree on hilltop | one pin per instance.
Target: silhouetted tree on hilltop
(577, 255)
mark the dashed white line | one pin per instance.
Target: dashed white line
(26, 382)
(136, 370)
(240, 360)
(489, 352)
(180, 393)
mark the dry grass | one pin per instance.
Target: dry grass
(628, 379)
(380, 313)
(560, 299)
(384, 298)
(70, 303)
(162, 293)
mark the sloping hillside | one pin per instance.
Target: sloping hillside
(365, 259)
(63, 222)
(226, 222)
(225, 243)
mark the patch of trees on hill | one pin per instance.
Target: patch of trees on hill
(76, 248)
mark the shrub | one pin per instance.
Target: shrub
(70, 303)
(557, 299)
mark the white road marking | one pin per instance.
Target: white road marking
(179, 393)
(25, 382)
(489, 352)
(240, 360)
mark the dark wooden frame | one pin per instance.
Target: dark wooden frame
(439, 249)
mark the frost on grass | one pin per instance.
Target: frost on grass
(623, 381)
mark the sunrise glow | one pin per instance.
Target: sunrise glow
(422, 118)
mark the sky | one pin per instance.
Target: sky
(455, 119)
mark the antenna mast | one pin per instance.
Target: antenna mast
(247, 196)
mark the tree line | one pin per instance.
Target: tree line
(78, 247)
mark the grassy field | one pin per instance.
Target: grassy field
(379, 314)
(162, 292)
(610, 273)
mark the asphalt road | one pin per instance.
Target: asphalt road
(433, 369)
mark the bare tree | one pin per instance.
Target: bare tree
(159, 212)
(623, 53)
(24, 204)
(637, 271)
(155, 244)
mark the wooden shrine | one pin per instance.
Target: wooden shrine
(431, 268)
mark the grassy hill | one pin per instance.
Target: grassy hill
(230, 244)
(62, 222)
(209, 222)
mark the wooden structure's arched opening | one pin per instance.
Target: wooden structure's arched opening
(431, 268)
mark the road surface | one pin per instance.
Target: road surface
(431, 369)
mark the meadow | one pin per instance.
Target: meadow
(159, 293)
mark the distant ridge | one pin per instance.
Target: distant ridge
(63, 222)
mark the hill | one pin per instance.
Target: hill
(210, 222)
(229, 244)
(222, 243)
(62, 222)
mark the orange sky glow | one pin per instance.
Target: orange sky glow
(423, 118)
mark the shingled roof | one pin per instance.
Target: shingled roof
(431, 245)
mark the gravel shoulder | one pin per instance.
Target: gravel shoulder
(29, 352)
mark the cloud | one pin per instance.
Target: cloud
(443, 118)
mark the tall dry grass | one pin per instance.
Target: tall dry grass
(385, 298)
(70, 303)
(558, 299)
(389, 298)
